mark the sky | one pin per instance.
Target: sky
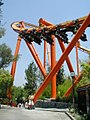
(55, 11)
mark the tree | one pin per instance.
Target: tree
(85, 65)
(60, 76)
(5, 82)
(5, 51)
(2, 30)
(31, 78)
(40, 78)
(1, 3)
(18, 94)
(5, 56)
(62, 88)
(46, 93)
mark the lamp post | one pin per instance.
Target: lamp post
(73, 97)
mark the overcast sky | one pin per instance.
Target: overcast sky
(55, 11)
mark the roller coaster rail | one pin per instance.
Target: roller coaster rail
(47, 32)
(37, 33)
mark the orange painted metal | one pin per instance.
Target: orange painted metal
(67, 59)
(62, 25)
(77, 62)
(53, 63)
(35, 55)
(62, 58)
(49, 55)
(44, 22)
(13, 69)
(45, 47)
(75, 83)
(63, 49)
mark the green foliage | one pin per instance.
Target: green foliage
(31, 78)
(60, 79)
(40, 78)
(60, 76)
(62, 88)
(18, 94)
(5, 101)
(77, 115)
(5, 82)
(86, 70)
(2, 31)
(46, 93)
(1, 3)
(5, 56)
(86, 73)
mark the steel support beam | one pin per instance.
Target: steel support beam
(62, 58)
(13, 69)
(53, 63)
(45, 47)
(77, 62)
(75, 83)
(36, 57)
(67, 59)
(53, 88)
(44, 22)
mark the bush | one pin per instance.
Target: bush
(46, 93)
(5, 101)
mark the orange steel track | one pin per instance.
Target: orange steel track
(21, 27)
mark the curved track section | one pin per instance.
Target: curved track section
(35, 33)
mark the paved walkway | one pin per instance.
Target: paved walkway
(11, 113)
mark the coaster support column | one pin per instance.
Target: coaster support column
(62, 58)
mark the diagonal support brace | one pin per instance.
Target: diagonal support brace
(62, 58)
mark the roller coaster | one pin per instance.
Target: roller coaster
(48, 33)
